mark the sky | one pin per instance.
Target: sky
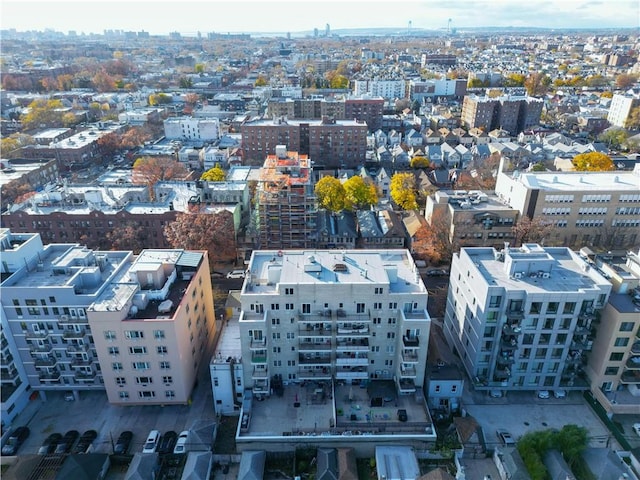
(159, 17)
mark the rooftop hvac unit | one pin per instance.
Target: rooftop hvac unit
(517, 275)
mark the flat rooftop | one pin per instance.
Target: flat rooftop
(395, 268)
(582, 181)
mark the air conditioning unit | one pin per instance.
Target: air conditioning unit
(517, 275)
(64, 318)
(546, 275)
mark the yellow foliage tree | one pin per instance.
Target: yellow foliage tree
(360, 193)
(215, 174)
(331, 194)
(593, 162)
(419, 162)
(403, 191)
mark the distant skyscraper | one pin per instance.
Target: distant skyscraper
(327, 30)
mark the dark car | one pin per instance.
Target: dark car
(122, 444)
(15, 440)
(402, 415)
(167, 442)
(85, 441)
(65, 444)
(49, 444)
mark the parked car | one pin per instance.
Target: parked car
(15, 440)
(85, 441)
(236, 274)
(152, 442)
(495, 393)
(505, 437)
(544, 394)
(167, 442)
(437, 272)
(181, 444)
(636, 428)
(66, 442)
(49, 444)
(560, 393)
(69, 396)
(122, 444)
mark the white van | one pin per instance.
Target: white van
(152, 442)
(236, 274)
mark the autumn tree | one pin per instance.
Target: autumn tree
(160, 99)
(514, 80)
(128, 237)
(633, 120)
(135, 137)
(419, 161)
(403, 191)
(151, 170)
(43, 113)
(109, 144)
(360, 193)
(213, 232)
(10, 146)
(331, 194)
(625, 80)
(527, 230)
(261, 81)
(537, 84)
(103, 82)
(593, 162)
(433, 240)
(215, 174)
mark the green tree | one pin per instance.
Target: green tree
(593, 162)
(215, 174)
(199, 68)
(419, 161)
(185, 82)
(331, 194)
(538, 167)
(614, 137)
(360, 193)
(403, 191)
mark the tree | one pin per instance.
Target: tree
(527, 230)
(130, 237)
(614, 137)
(538, 167)
(108, 144)
(215, 174)
(159, 99)
(331, 194)
(213, 232)
(43, 113)
(150, 170)
(360, 193)
(10, 146)
(433, 239)
(633, 121)
(572, 440)
(261, 81)
(419, 161)
(103, 82)
(593, 162)
(514, 80)
(199, 68)
(403, 191)
(625, 80)
(135, 137)
(537, 84)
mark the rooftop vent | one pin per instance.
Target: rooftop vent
(339, 267)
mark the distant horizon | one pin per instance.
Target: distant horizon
(294, 17)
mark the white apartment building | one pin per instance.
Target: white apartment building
(387, 89)
(594, 209)
(523, 318)
(320, 315)
(621, 107)
(153, 326)
(189, 128)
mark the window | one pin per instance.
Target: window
(146, 394)
(626, 326)
(165, 365)
(536, 307)
(495, 301)
(169, 394)
(144, 380)
(288, 306)
(360, 307)
(306, 308)
(393, 305)
(291, 335)
(167, 379)
(138, 350)
(114, 350)
(109, 335)
(158, 334)
(288, 291)
(391, 334)
(552, 307)
(377, 306)
(140, 365)
(616, 356)
(161, 349)
(569, 307)
(117, 366)
(121, 381)
(275, 306)
(379, 291)
(621, 342)
(276, 350)
(133, 334)
(275, 321)
(30, 303)
(611, 371)
(123, 395)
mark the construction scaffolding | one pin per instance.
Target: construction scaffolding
(286, 202)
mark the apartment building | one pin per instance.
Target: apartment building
(45, 297)
(621, 107)
(594, 209)
(189, 128)
(330, 142)
(513, 114)
(523, 318)
(389, 89)
(614, 364)
(287, 214)
(351, 316)
(153, 327)
(471, 218)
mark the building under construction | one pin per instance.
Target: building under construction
(286, 201)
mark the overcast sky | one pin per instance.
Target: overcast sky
(162, 17)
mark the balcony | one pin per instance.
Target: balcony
(314, 374)
(258, 344)
(501, 374)
(36, 335)
(352, 373)
(45, 362)
(410, 342)
(588, 315)
(314, 346)
(259, 373)
(77, 349)
(352, 359)
(82, 376)
(315, 331)
(408, 372)
(261, 386)
(406, 385)
(409, 356)
(320, 360)
(258, 357)
(508, 343)
(505, 360)
(73, 334)
(635, 348)
(353, 345)
(515, 314)
(633, 363)
(46, 348)
(581, 345)
(630, 376)
(353, 329)
(511, 329)
(10, 375)
(80, 362)
(49, 377)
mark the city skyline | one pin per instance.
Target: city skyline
(283, 17)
